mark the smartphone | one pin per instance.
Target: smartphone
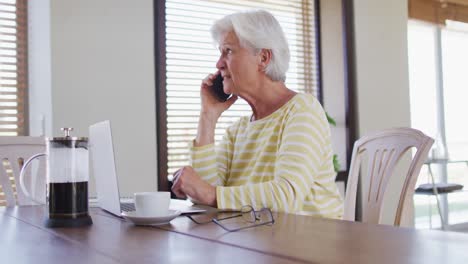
(218, 89)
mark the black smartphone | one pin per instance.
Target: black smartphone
(218, 89)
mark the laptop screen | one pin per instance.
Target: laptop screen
(101, 150)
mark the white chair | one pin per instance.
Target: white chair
(14, 151)
(384, 150)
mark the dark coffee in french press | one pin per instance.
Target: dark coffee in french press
(68, 200)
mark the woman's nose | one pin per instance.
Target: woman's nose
(220, 65)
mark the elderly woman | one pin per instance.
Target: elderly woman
(280, 157)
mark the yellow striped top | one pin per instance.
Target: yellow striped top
(283, 162)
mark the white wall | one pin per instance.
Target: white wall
(103, 68)
(40, 88)
(382, 64)
(382, 72)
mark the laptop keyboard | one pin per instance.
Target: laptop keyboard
(127, 207)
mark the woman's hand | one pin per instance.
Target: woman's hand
(211, 110)
(187, 184)
(211, 106)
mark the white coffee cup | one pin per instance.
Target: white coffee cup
(151, 204)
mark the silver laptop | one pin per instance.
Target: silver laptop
(101, 150)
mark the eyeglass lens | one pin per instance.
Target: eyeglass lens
(248, 214)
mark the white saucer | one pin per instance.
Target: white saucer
(152, 220)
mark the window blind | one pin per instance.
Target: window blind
(13, 67)
(191, 54)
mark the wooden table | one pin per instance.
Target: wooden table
(292, 239)
(316, 240)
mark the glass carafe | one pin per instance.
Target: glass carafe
(67, 175)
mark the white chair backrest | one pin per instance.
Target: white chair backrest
(14, 151)
(384, 150)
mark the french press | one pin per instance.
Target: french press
(67, 180)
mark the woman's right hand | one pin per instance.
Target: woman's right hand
(211, 110)
(211, 107)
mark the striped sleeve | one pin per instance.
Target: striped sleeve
(210, 163)
(300, 156)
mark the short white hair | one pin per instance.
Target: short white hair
(257, 30)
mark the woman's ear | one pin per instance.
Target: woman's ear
(265, 56)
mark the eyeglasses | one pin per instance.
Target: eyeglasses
(261, 217)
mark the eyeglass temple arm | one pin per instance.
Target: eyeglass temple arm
(244, 227)
(229, 217)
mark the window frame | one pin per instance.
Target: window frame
(161, 109)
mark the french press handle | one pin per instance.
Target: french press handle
(21, 178)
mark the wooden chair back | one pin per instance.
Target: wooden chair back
(384, 150)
